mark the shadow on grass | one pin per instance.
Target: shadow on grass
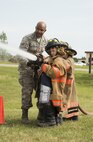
(17, 123)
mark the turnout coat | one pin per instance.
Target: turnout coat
(57, 71)
(70, 91)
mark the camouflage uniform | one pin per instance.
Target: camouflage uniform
(30, 44)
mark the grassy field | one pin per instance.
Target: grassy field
(15, 131)
(6, 62)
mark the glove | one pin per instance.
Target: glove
(44, 67)
(30, 63)
(39, 60)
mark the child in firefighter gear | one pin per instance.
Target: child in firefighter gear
(70, 89)
(32, 43)
(46, 116)
(57, 73)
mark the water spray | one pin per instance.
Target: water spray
(16, 51)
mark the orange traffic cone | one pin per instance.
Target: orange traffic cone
(1, 111)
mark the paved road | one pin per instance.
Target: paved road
(80, 69)
(8, 65)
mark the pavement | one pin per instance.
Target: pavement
(8, 65)
(80, 69)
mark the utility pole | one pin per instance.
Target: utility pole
(90, 57)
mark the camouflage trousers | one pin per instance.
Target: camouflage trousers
(27, 80)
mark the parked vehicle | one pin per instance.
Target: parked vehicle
(80, 64)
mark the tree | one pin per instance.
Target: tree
(75, 59)
(3, 37)
(4, 56)
(3, 53)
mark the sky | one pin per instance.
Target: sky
(67, 20)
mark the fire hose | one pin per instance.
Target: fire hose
(84, 111)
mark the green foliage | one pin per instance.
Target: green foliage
(14, 59)
(15, 131)
(3, 37)
(4, 56)
(75, 59)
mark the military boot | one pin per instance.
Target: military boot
(25, 119)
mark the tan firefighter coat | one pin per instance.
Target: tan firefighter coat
(57, 73)
(70, 91)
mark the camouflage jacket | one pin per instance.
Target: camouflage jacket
(31, 44)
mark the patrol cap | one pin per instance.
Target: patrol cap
(52, 43)
(71, 51)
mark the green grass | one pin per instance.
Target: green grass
(6, 62)
(15, 131)
(84, 82)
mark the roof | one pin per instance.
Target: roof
(88, 51)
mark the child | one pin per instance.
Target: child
(52, 82)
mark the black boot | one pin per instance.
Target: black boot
(50, 115)
(25, 119)
(41, 114)
(46, 116)
(75, 118)
(41, 117)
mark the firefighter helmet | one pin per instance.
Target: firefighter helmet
(52, 43)
(61, 49)
(64, 44)
(71, 51)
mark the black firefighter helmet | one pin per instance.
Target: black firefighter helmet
(52, 43)
(55, 43)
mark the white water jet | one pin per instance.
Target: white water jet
(16, 51)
